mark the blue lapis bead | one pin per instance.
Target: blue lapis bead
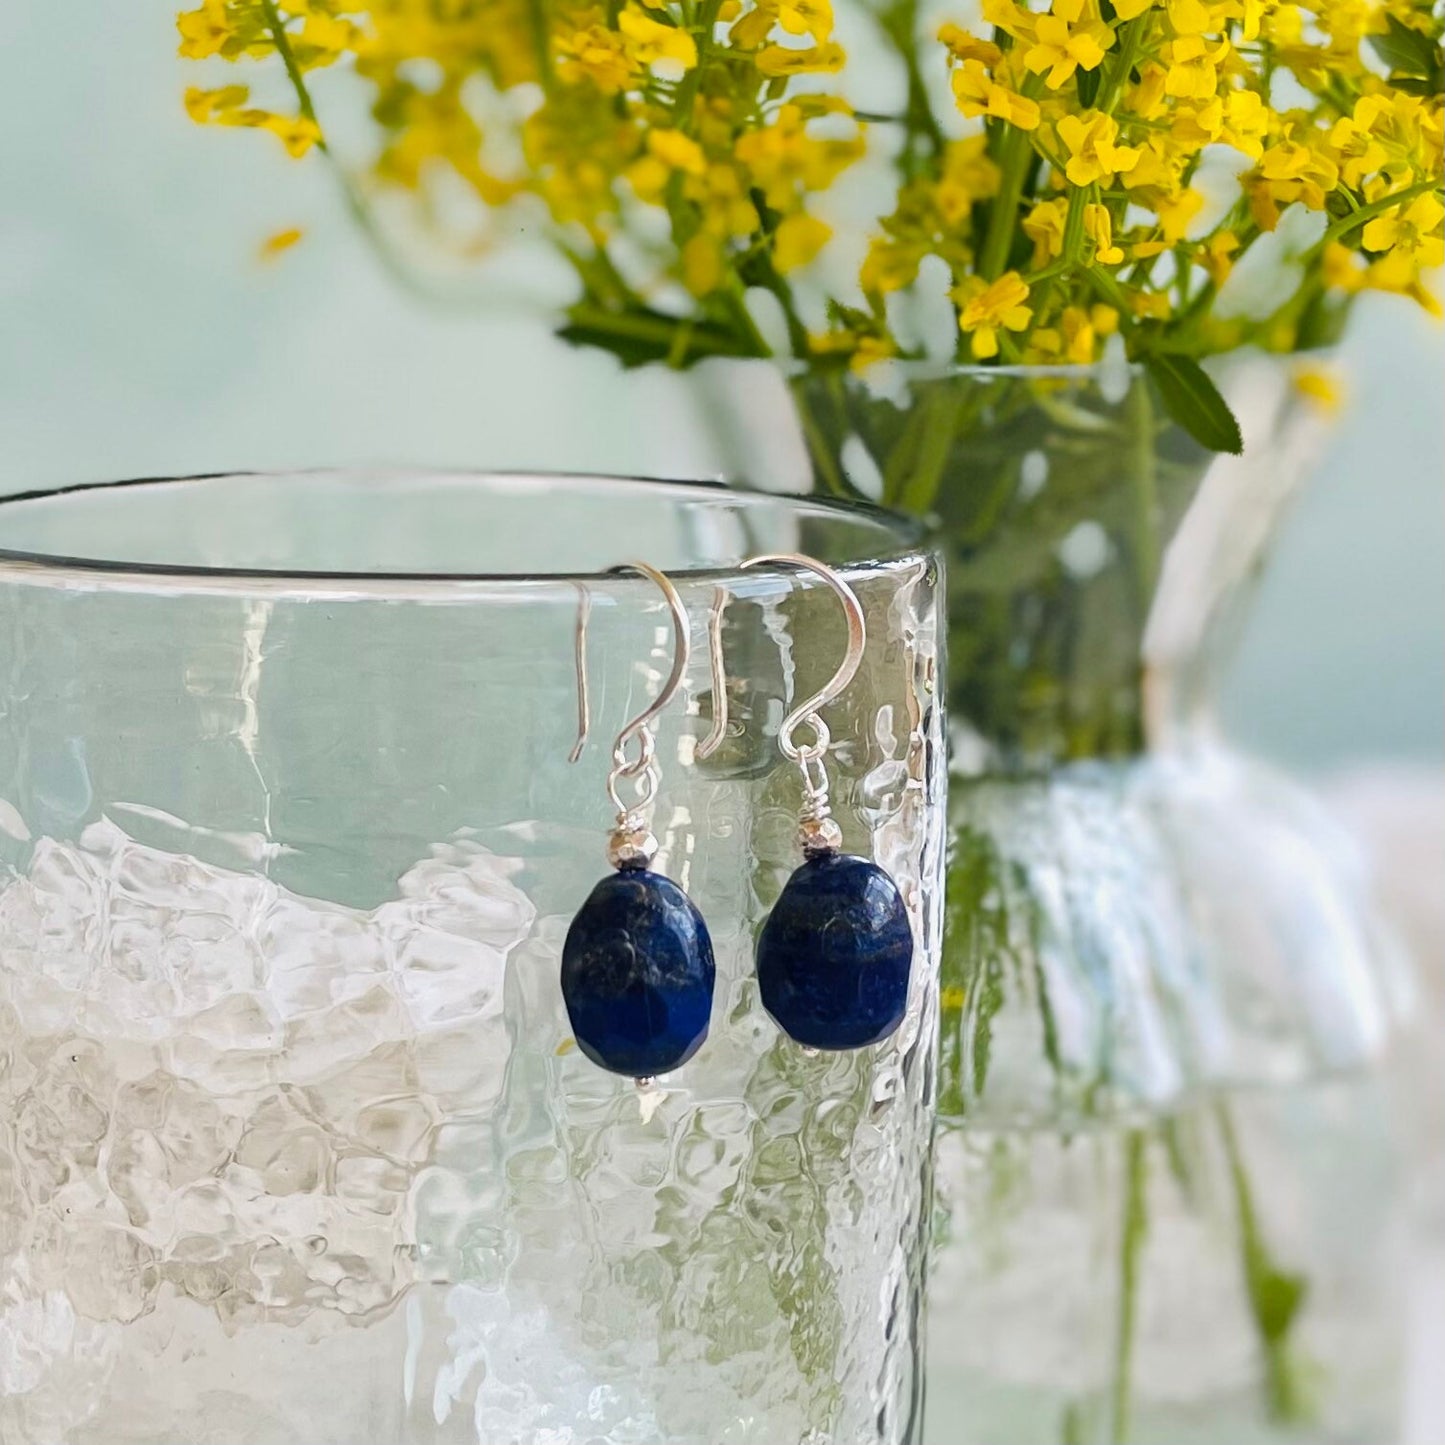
(835, 953)
(637, 974)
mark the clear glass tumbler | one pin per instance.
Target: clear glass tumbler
(295, 1146)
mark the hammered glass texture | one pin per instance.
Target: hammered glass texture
(294, 1144)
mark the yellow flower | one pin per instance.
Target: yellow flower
(595, 53)
(1159, 165)
(870, 350)
(213, 105)
(807, 17)
(1366, 140)
(1094, 154)
(783, 160)
(1291, 170)
(702, 264)
(1150, 305)
(1099, 227)
(678, 151)
(1342, 269)
(1320, 386)
(205, 31)
(1081, 340)
(1412, 230)
(722, 199)
(1010, 17)
(1194, 67)
(780, 60)
(1147, 99)
(1191, 17)
(986, 309)
(1044, 226)
(295, 132)
(796, 17)
(978, 93)
(1175, 212)
(322, 40)
(227, 106)
(863, 348)
(279, 243)
(1246, 122)
(1131, 9)
(1069, 37)
(969, 175)
(668, 152)
(798, 240)
(1217, 255)
(1104, 319)
(963, 45)
(653, 43)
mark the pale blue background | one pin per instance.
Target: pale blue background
(139, 335)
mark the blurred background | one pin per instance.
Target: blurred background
(141, 333)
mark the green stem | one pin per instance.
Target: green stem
(824, 462)
(1131, 1247)
(282, 42)
(1275, 1296)
(1012, 154)
(541, 42)
(686, 98)
(355, 203)
(918, 488)
(1366, 213)
(1111, 291)
(661, 331)
(1144, 493)
(1128, 52)
(899, 24)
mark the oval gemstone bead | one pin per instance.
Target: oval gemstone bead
(637, 974)
(835, 953)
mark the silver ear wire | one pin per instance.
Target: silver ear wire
(818, 828)
(642, 770)
(579, 645)
(710, 744)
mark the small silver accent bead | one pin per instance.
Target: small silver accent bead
(645, 1083)
(819, 835)
(808, 1051)
(631, 847)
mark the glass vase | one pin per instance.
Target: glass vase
(1170, 1204)
(295, 1146)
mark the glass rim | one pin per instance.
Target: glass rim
(907, 535)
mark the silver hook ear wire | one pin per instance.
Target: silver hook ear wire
(818, 831)
(579, 650)
(631, 841)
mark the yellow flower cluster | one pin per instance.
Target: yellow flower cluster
(703, 120)
(1104, 167)
(1147, 154)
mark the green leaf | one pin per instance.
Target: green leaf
(1420, 85)
(1193, 400)
(639, 336)
(1089, 84)
(1407, 51)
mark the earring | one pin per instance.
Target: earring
(637, 963)
(834, 956)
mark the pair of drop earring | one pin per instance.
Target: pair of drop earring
(834, 955)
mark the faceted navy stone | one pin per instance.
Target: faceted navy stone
(637, 974)
(834, 955)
